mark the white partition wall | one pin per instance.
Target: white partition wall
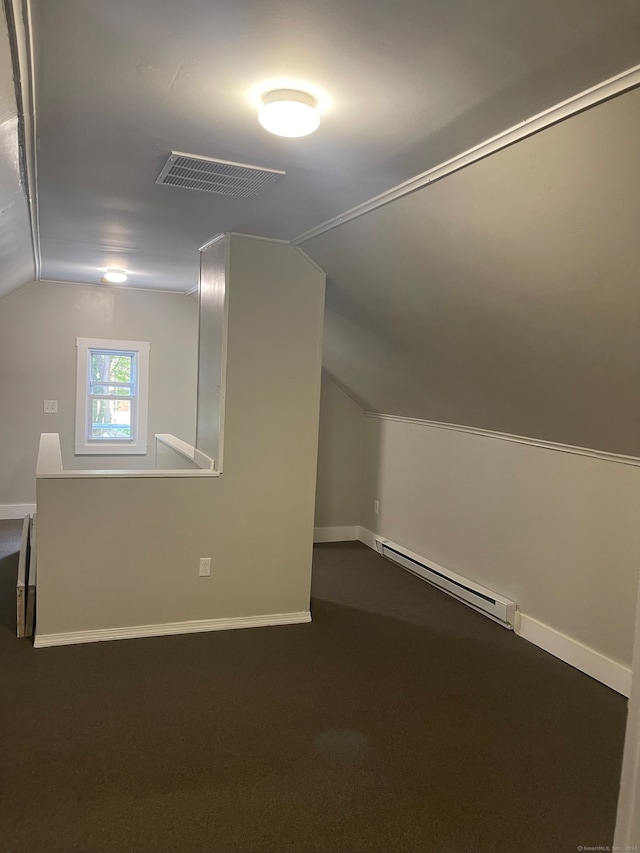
(119, 555)
(212, 347)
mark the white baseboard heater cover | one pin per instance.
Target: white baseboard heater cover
(498, 608)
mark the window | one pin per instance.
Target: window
(111, 396)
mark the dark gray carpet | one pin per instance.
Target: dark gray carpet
(399, 720)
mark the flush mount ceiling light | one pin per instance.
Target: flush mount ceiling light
(287, 112)
(114, 276)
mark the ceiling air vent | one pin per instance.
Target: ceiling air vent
(215, 176)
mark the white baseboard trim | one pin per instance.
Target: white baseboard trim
(587, 660)
(336, 534)
(162, 630)
(368, 538)
(16, 510)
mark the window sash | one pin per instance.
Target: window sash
(128, 398)
(92, 383)
(133, 420)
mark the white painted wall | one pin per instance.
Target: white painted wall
(557, 532)
(340, 458)
(255, 520)
(38, 328)
(211, 354)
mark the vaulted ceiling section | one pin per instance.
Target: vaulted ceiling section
(408, 84)
(504, 296)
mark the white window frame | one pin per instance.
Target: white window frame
(137, 444)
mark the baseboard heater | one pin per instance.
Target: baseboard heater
(495, 606)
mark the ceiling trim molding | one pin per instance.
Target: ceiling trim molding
(21, 33)
(210, 242)
(575, 450)
(623, 82)
(103, 285)
(257, 237)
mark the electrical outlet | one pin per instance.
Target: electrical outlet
(51, 407)
(376, 507)
(205, 567)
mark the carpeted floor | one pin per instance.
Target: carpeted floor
(399, 720)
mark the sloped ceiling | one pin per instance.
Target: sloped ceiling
(506, 296)
(16, 252)
(119, 84)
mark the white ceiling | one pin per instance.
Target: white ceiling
(120, 84)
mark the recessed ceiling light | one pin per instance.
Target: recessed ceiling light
(287, 112)
(114, 276)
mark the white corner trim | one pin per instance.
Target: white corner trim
(587, 660)
(162, 630)
(517, 439)
(573, 105)
(336, 534)
(16, 510)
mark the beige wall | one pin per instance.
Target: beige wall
(255, 520)
(340, 457)
(38, 329)
(557, 532)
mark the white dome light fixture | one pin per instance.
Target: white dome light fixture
(287, 112)
(114, 276)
